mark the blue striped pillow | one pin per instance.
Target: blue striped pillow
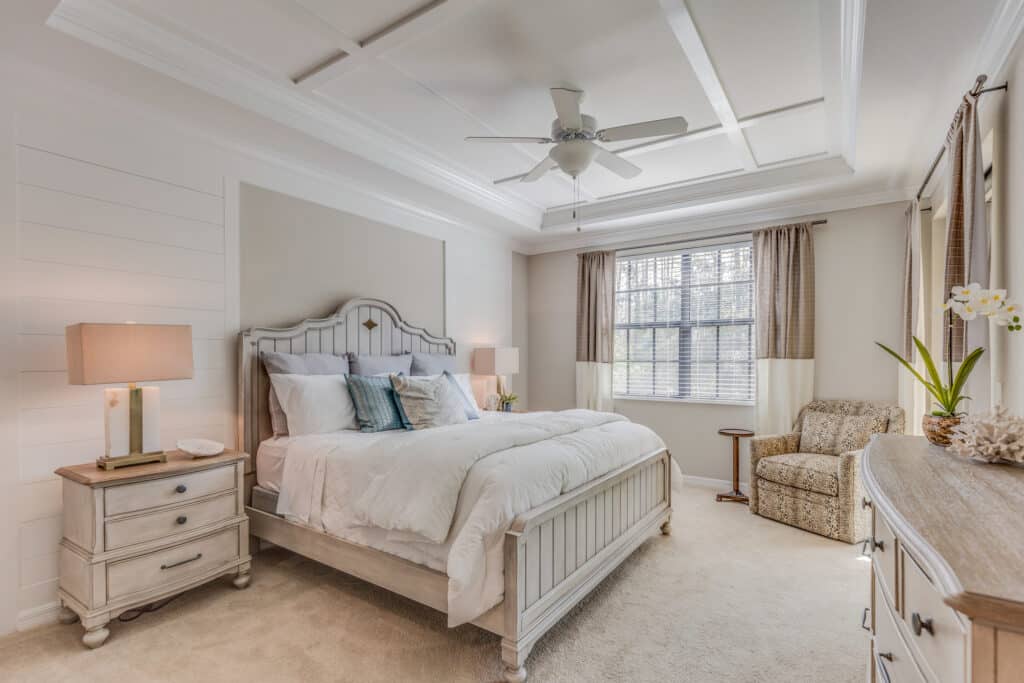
(376, 405)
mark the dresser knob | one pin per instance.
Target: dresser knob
(182, 519)
(181, 488)
(920, 624)
(878, 545)
(865, 503)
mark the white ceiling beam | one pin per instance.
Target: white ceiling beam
(681, 22)
(418, 22)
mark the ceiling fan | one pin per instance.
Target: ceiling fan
(574, 135)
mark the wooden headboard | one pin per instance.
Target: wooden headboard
(369, 326)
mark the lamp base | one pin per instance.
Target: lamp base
(112, 463)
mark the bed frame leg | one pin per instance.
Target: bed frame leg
(514, 658)
(666, 528)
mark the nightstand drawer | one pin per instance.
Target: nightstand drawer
(153, 525)
(168, 490)
(936, 632)
(171, 565)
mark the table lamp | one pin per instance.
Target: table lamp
(106, 353)
(498, 361)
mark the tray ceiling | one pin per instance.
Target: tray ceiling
(402, 82)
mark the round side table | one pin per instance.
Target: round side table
(735, 496)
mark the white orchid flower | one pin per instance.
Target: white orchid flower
(1011, 307)
(966, 293)
(986, 302)
(998, 295)
(966, 310)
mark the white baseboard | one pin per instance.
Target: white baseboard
(38, 616)
(709, 483)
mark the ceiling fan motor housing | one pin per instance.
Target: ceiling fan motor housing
(587, 132)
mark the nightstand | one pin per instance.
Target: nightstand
(139, 534)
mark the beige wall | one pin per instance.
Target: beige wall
(859, 262)
(300, 259)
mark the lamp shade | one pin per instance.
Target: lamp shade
(105, 353)
(501, 360)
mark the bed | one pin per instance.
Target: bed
(547, 557)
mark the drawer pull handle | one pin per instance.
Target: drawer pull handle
(865, 503)
(920, 624)
(181, 520)
(881, 665)
(178, 564)
(180, 488)
(864, 619)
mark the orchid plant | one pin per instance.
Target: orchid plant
(968, 303)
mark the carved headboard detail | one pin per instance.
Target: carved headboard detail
(369, 326)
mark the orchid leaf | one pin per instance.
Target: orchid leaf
(937, 392)
(962, 374)
(933, 372)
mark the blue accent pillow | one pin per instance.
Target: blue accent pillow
(377, 407)
(471, 413)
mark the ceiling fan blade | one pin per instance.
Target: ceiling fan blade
(567, 105)
(616, 164)
(479, 138)
(675, 125)
(546, 164)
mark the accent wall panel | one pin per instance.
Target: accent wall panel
(103, 238)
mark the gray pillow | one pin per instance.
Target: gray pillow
(428, 401)
(380, 365)
(431, 364)
(277, 363)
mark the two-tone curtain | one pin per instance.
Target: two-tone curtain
(912, 395)
(784, 323)
(967, 242)
(595, 316)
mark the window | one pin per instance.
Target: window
(684, 324)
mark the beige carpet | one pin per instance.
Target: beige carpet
(728, 597)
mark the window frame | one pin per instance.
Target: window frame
(686, 328)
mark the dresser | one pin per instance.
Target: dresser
(947, 560)
(140, 534)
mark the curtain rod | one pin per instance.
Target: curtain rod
(976, 90)
(700, 239)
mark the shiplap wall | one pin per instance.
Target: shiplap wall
(107, 232)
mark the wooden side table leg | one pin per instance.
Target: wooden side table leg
(734, 496)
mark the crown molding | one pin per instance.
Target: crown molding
(630, 210)
(1000, 38)
(128, 35)
(707, 225)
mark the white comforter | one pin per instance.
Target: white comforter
(458, 486)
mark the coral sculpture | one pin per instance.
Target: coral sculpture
(995, 437)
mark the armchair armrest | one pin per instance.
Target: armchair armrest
(854, 518)
(763, 446)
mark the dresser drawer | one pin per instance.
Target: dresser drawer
(936, 631)
(168, 490)
(153, 525)
(893, 663)
(883, 556)
(171, 565)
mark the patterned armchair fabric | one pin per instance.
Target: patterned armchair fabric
(817, 492)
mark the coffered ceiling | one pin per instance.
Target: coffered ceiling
(770, 90)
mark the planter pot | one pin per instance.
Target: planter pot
(938, 429)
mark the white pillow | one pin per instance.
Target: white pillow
(315, 404)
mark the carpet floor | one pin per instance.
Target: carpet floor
(728, 597)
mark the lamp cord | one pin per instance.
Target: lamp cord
(132, 615)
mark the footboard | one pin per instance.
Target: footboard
(557, 553)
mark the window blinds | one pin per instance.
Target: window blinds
(684, 324)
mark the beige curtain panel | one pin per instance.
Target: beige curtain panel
(595, 301)
(595, 321)
(784, 321)
(784, 286)
(967, 240)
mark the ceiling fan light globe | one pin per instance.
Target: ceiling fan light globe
(574, 156)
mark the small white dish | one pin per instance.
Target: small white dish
(201, 448)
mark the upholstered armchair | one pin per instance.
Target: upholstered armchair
(818, 488)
